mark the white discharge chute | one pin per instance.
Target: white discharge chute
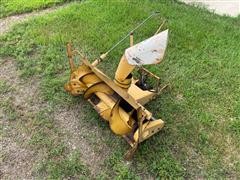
(149, 51)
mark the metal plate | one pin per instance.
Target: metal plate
(149, 51)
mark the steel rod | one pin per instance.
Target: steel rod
(134, 29)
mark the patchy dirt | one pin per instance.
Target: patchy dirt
(8, 71)
(77, 137)
(7, 23)
(24, 91)
(16, 159)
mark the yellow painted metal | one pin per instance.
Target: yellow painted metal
(123, 71)
(104, 107)
(131, 39)
(90, 78)
(104, 93)
(148, 129)
(129, 118)
(106, 114)
(98, 87)
(123, 84)
(141, 96)
(120, 121)
(104, 110)
(75, 86)
(70, 57)
(80, 71)
(120, 91)
(108, 100)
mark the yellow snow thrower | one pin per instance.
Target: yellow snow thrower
(121, 101)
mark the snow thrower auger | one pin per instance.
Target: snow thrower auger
(121, 101)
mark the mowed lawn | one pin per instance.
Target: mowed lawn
(201, 110)
(10, 7)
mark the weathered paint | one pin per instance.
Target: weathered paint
(149, 51)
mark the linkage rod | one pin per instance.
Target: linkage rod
(134, 29)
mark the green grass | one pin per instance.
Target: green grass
(201, 136)
(70, 166)
(58, 162)
(9, 109)
(4, 87)
(10, 7)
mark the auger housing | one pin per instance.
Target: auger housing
(120, 101)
